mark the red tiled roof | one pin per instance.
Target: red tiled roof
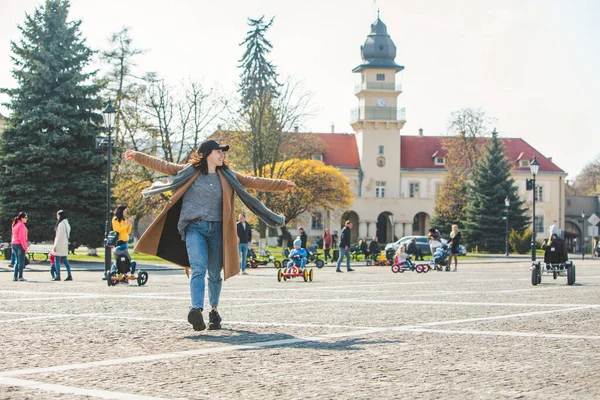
(417, 152)
(341, 149)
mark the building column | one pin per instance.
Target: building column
(363, 229)
(399, 229)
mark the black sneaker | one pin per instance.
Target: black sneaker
(69, 278)
(195, 318)
(350, 270)
(56, 279)
(338, 270)
(214, 320)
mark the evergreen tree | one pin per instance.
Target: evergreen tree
(491, 184)
(47, 156)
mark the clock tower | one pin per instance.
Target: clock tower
(378, 119)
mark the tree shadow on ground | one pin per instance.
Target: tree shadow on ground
(254, 340)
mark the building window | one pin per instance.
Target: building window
(539, 224)
(380, 150)
(440, 161)
(524, 163)
(414, 190)
(438, 186)
(316, 220)
(379, 189)
(318, 157)
(380, 77)
(539, 193)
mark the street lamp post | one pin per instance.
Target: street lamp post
(109, 118)
(507, 204)
(534, 166)
(582, 235)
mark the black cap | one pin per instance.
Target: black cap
(209, 145)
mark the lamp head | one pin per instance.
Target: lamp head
(534, 166)
(507, 202)
(109, 115)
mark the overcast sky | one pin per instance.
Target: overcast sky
(531, 64)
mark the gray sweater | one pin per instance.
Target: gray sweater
(202, 200)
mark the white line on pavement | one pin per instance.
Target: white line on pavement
(49, 387)
(501, 333)
(189, 353)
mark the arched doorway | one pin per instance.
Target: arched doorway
(385, 227)
(420, 222)
(352, 217)
(573, 236)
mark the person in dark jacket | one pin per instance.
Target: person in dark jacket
(244, 235)
(453, 244)
(364, 247)
(345, 241)
(303, 238)
(413, 249)
(374, 247)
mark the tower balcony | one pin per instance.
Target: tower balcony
(385, 86)
(378, 114)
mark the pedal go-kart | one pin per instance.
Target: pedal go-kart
(293, 272)
(561, 269)
(312, 257)
(409, 265)
(120, 271)
(380, 260)
(254, 261)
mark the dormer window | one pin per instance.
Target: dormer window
(380, 77)
(318, 157)
(524, 163)
(440, 161)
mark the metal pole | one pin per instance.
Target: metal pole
(506, 231)
(582, 238)
(533, 233)
(107, 256)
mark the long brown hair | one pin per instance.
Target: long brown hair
(19, 217)
(199, 161)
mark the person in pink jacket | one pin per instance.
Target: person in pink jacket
(19, 244)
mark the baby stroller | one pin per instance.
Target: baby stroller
(123, 269)
(440, 258)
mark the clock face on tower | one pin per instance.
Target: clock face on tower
(381, 102)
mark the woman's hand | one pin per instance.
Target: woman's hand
(130, 221)
(291, 186)
(129, 155)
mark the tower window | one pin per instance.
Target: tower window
(380, 150)
(414, 190)
(380, 77)
(379, 189)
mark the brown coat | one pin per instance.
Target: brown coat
(162, 238)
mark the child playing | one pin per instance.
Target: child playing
(401, 256)
(123, 259)
(297, 255)
(52, 265)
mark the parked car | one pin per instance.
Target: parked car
(422, 243)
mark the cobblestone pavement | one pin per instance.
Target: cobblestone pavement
(484, 332)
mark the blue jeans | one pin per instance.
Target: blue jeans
(204, 243)
(19, 260)
(301, 263)
(13, 257)
(243, 250)
(344, 253)
(57, 263)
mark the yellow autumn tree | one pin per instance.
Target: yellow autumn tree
(317, 187)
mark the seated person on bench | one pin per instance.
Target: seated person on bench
(413, 249)
(555, 248)
(123, 263)
(374, 248)
(297, 255)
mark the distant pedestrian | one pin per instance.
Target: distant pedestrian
(19, 244)
(345, 241)
(453, 243)
(435, 240)
(363, 247)
(244, 235)
(303, 237)
(61, 244)
(327, 244)
(335, 238)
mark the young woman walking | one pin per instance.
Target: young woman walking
(19, 243)
(197, 228)
(61, 245)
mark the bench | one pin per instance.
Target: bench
(33, 251)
